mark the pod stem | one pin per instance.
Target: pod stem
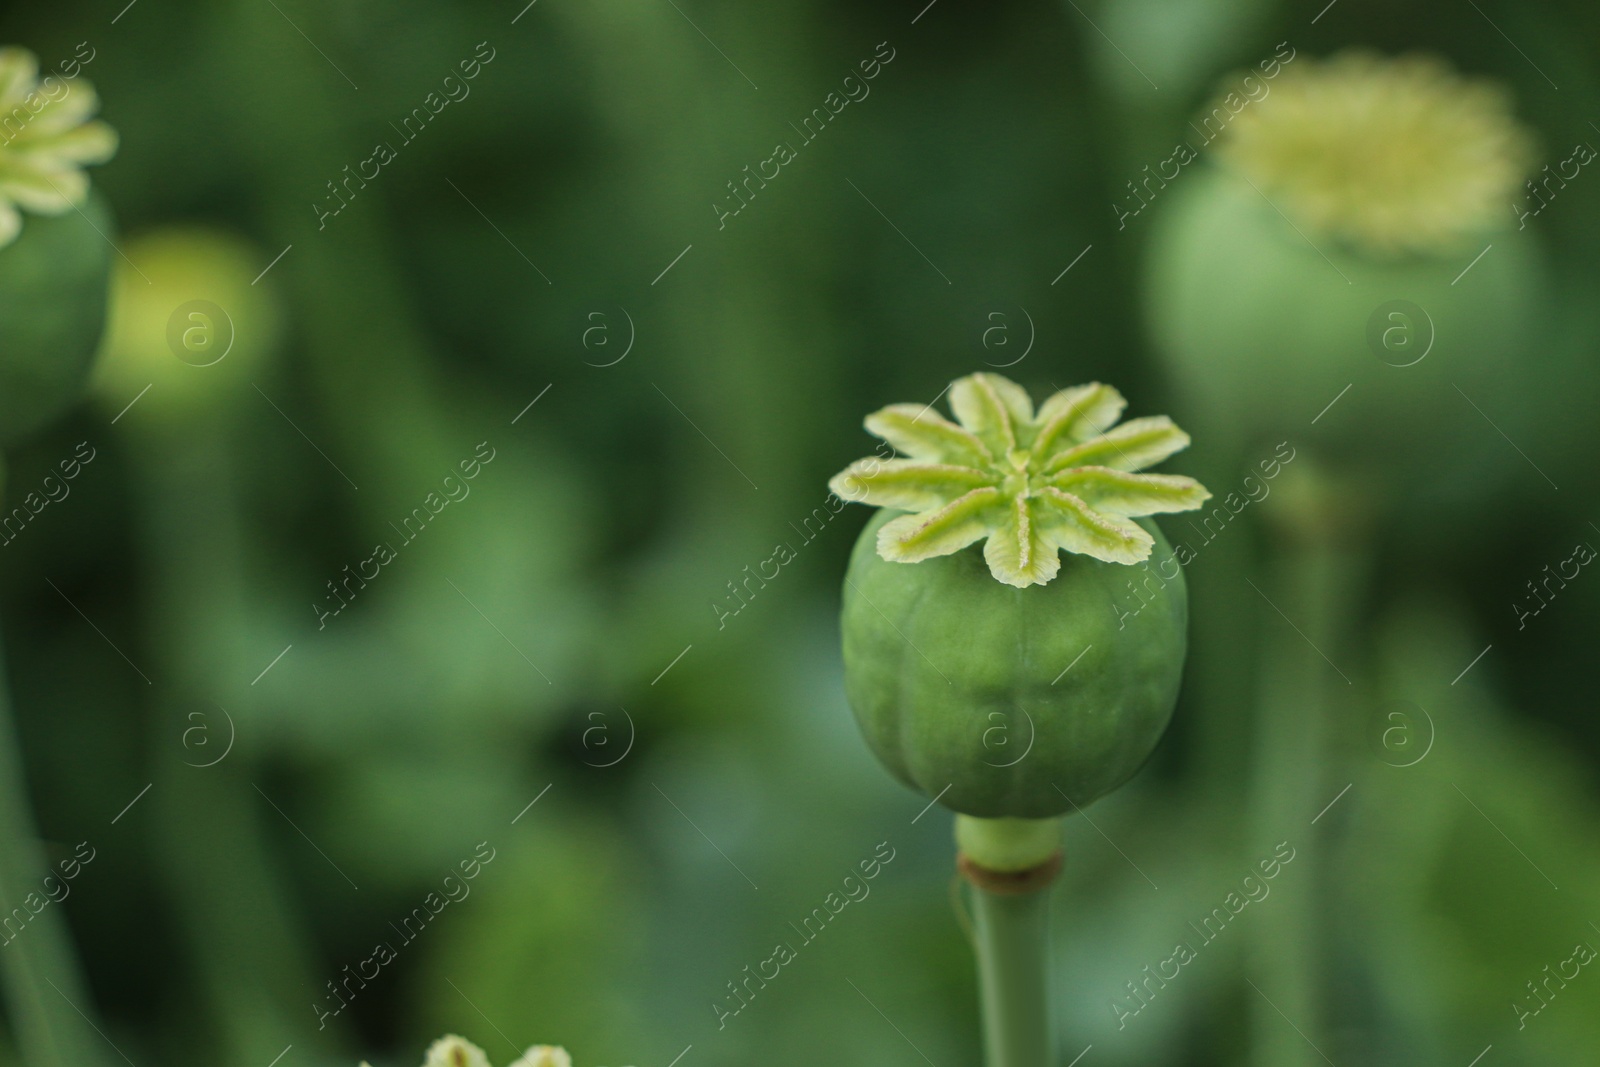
(1301, 737)
(1011, 864)
(1012, 934)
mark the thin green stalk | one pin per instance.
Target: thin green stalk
(1290, 775)
(44, 990)
(1297, 733)
(239, 921)
(1014, 977)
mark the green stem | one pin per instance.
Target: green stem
(46, 1022)
(1013, 977)
(240, 923)
(1300, 720)
(1290, 777)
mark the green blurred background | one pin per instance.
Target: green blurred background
(554, 634)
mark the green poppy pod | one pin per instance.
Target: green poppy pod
(53, 284)
(196, 322)
(1007, 702)
(53, 269)
(1263, 330)
(1036, 674)
(1337, 249)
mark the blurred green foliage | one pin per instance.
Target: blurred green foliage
(474, 673)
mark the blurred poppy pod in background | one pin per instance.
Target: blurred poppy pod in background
(1355, 230)
(188, 322)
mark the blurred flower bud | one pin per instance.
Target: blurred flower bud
(453, 1051)
(1358, 229)
(187, 321)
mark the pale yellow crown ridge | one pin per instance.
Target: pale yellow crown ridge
(1394, 156)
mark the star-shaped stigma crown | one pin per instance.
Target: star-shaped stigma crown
(1033, 484)
(454, 1051)
(46, 139)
